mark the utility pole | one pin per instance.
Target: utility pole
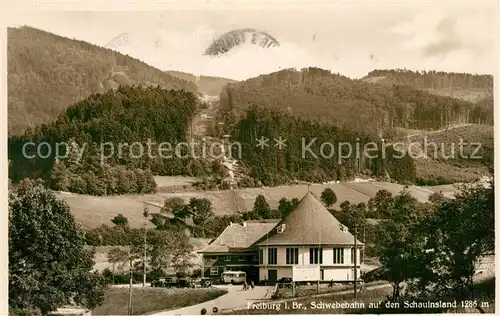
(129, 310)
(364, 247)
(145, 214)
(355, 260)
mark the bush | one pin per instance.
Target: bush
(247, 182)
(375, 275)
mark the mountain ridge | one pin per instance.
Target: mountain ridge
(358, 104)
(47, 73)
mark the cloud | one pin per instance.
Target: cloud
(436, 33)
(458, 38)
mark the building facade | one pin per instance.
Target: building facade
(234, 249)
(267, 251)
(336, 262)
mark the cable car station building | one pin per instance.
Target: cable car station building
(268, 250)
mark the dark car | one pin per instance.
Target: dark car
(201, 282)
(215, 281)
(184, 282)
(207, 281)
(285, 280)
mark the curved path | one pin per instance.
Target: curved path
(424, 133)
(236, 298)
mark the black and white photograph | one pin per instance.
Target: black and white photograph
(224, 158)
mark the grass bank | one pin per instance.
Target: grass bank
(318, 305)
(150, 300)
(302, 291)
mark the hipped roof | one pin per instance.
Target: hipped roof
(310, 223)
(237, 237)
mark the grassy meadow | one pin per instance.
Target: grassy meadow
(149, 300)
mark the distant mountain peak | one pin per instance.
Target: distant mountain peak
(231, 39)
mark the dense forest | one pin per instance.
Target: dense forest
(272, 165)
(318, 94)
(434, 79)
(47, 73)
(126, 116)
(93, 163)
(469, 87)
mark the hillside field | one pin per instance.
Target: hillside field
(93, 211)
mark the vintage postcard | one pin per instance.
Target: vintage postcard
(267, 158)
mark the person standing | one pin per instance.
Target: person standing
(252, 284)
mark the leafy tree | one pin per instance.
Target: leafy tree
(201, 211)
(175, 206)
(437, 197)
(351, 216)
(219, 170)
(48, 264)
(261, 208)
(120, 220)
(328, 197)
(455, 235)
(194, 215)
(165, 248)
(397, 245)
(286, 206)
(381, 204)
(119, 256)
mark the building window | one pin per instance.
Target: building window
(255, 258)
(241, 258)
(214, 271)
(272, 254)
(292, 255)
(261, 256)
(338, 255)
(316, 255)
(228, 258)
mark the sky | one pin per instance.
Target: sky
(348, 37)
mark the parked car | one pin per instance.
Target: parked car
(285, 280)
(160, 282)
(184, 282)
(172, 281)
(215, 281)
(201, 282)
(206, 282)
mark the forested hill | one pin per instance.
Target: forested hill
(47, 73)
(318, 94)
(95, 128)
(464, 86)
